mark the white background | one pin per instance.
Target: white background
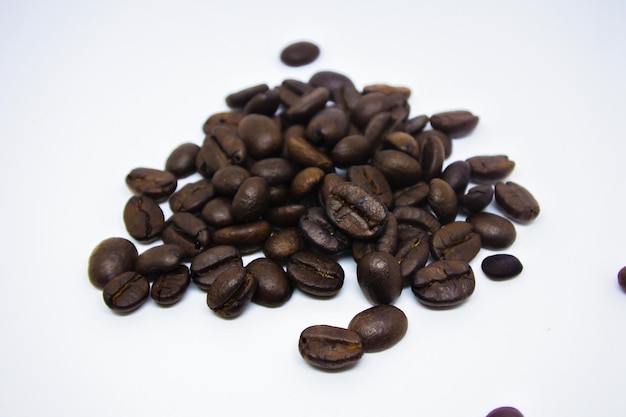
(90, 90)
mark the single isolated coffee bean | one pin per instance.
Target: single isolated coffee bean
(444, 283)
(621, 278)
(505, 412)
(379, 327)
(109, 258)
(516, 201)
(154, 183)
(273, 285)
(379, 276)
(501, 266)
(182, 161)
(126, 292)
(330, 347)
(299, 53)
(167, 289)
(315, 274)
(456, 123)
(231, 292)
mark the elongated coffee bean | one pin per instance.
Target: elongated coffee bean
(154, 183)
(379, 276)
(379, 327)
(330, 347)
(444, 283)
(516, 201)
(126, 292)
(315, 274)
(501, 266)
(167, 289)
(456, 123)
(455, 240)
(231, 292)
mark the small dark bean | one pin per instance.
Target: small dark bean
(501, 266)
(318, 231)
(516, 201)
(478, 197)
(490, 168)
(169, 288)
(154, 183)
(208, 265)
(400, 169)
(247, 237)
(126, 292)
(315, 274)
(240, 98)
(226, 180)
(192, 197)
(109, 258)
(219, 212)
(496, 232)
(284, 243)
(285, 216)
(299, 53)
(444, 283)
(144, 219)
(251, 199)
(273, 285)
(187, 231)
(505, 412)
(442, 200)
(159, 260)
(455, 123)
(455, 240)
(261, 135)
(231, 292)
(330, 347)
(182, 161)
(457, 174)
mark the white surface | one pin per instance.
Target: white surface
(90, 90)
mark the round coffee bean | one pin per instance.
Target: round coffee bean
(328, 126)
(167, 289)
(378, 275)
(126, 292)
(351, 150)
(379, 327)
(400, 169)
(159, 259)
(251, 199)
(516, 201)
(444, 283)
(261, 135)
(333, 81)
(227, 180)
(299, 53)
(315, 274)
(505, 412)
(231, 292)
(283, 243)
(110, 258)
(247, 237)
(182, 161)
(144, 219)
(218, 212)
(478, 197)
(154, 183)
(273, 285)
(501, 266)
(457, 174)
(330, 347)
(496, 232)
(621, 278)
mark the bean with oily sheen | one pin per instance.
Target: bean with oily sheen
(159, 259)
(187, 231)
(432, 157)
(305, 154)
(328, 183)
(273, 285)
(387, 241)
(330, 347)
(412, 255)
(261, 135)
(109, 258)
(477, 198)
(231, 292)
(456, 123)
(168, 289)
(351, 150)
(227, 180)
(144, 219)
(126, 292)
(247, 237)
(442, 200)
(328, 126)
(208, 265)
(496, 232)
(306, 183)
(400, 169)
(251, 199)
(275, 170)
(192, 197)
(320, 233)
(516, 201)
(299, 53)
(218, 212)
(422, 136)
(403, 142)
(380, 327)
(501, 266)
(414, 195)
(418, 217)
(182, 160)
(444, 283)
(455, 240)
(372, 181)
(379, 276)
(457, 174)
(490, 168)
(315, 274)
(283, 243)
(150, 182)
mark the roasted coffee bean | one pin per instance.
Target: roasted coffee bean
(220, 148)
(274, 170)
(278, 195)
(238, 99)
(505, 412)
(387, 89)
(330, 347)
(159, 259)
(386, 242)
(379, 327)
(109, 258)
(351, 150)
(182, 161)
(478, 197)
(306, 182)
(456, 123)
(399, 107)
(404, 142)
(377, 129)
(126, 292)
(143, 218)
(332, 81)
(444, 283)
(154, 183)
(414, 195)
(371, 180)
(315, 274)
(400, 169)
(219, 212)
(367, 106)
(328, 126)
(303, 153)
(457, 174)
(192, 196)
(516, 201)
(355, 211)
(455, 240)
(251, 200)
(422, 136)
(247, 237)
(187, 231)
(412, 255)
(299, 53)
(285, 216)
(442, 200)
(490, 168)
(378, 275)
(263, 103)
(284, 243)
(501, 266)
(621, 278)
(321, 234)
(416, 124)
(417, 217)
(169, 288)
(261, 135)
(273, 285)
(231, 292)
(432, 157)
(308, 105)
(206, 266)
(226, 180)
(228, 118)
(496, 232)
(328, 183)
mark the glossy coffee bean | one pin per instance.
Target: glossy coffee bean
(239, 99)
(505, 412)
(417, 217)
(367, 106)
(403, 142)
(355, 211)
(442, 200)
(320, 233)
(187, 231)
(329, 182)
(208, 265)
(516, 201)
(400, 169)
(496, 232)
(154, 183)
(305, 154)
(231, 292)
(227, 180)
(299, 53)
(218, 212)
(379, 327)
(144, 219)
(423, 136)
(477, 198)
(444, 283)
(501, 266)
(182, 161)
(109, 258)
(457, 174)
(414, 195)
(387, 241)
(192, 196)
(261, 135)
(275, 170)
(455, 123)
(371, 180)
(412, 255)
(168, 289)
(351, 150)
(315, 274)
(126, 292)
(251, 199)
(432, 157)
(247, 237)
(306, 182)
(490, 168)
(287, 215)
(328, 126)
(455, 240)
(283, 243)
(330, 347)
(159, 259)
(379, 276)
(228, 118)
(273, 285)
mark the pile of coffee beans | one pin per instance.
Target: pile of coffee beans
(306, 173)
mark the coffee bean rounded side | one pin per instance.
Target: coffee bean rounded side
(501, 266)
(505, 412)
(621, 278)
(299, 53)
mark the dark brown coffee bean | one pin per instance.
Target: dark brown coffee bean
(330, 347)
(456, 123)
(621, 278)
(386, 242)
(228, 118)
(501, 266)
(416, 124)
(219, 212)
(414, 195)
(284, 243)
(516, 201)
(192, 196)
(367, 106)
(445, 139)
(432, 157)
(238, 99)
(444, 283)
(387, 89)
(285, 216)
(351, 150)
(490, 168)
(182, 161)
(379, 327)
(318, 231)
(231, 292)
(377, 129)
(496, 232)
(505, 412)
(400, 169)
(149, 182)
(455, 240)
(126, 292)
(378, 275)
(263, 103)
(261, 135)
(251, 200)
(306, 182)
(273, 285)
(315, 274)
(208, 265)
(187, 231)
(305, 154)
(328, 183)
(403, 142)
(371, 180)
(332, 81)
(159, 259)
(299, 53)
(275, 170)
(278, 195)
(308, 105)
(442, 200)
(478, 197)
(247, 237)
(230, 144)
(355, 211)
(457, 174)
(169, 288)
(226, 180)
(109, 258)
(412, 255)
(143, 218)
(328, 126)
(417, 217)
